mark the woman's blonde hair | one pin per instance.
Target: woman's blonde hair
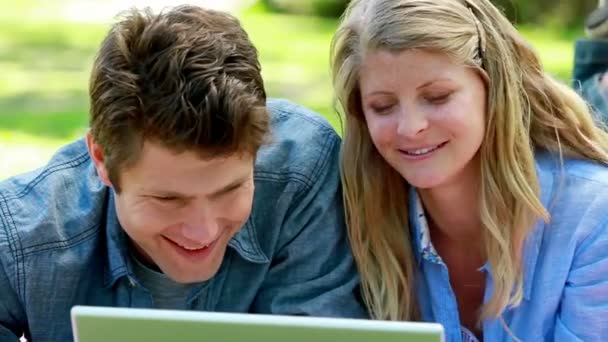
(527, 109)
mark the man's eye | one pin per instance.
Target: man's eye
(165, 198)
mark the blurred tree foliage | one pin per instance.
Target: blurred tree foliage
(564, 13)
(324, 8)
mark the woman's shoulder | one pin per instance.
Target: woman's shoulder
(569, 168)
(575, 193)
(570, 250)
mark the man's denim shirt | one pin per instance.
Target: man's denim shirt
(61, 243)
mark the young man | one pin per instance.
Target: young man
(189, 192)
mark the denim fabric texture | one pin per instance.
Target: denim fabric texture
(61, 244)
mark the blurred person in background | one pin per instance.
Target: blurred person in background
(591, 62)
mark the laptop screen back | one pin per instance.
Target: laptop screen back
(97, 324)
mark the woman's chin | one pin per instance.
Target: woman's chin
(425, 182)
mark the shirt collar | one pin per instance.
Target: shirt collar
(419, 227)
(117, 244)
(245, 243)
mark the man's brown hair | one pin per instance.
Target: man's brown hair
(188, 78)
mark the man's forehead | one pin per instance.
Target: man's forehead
(160, 169)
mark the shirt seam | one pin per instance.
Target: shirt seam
(319, 123)
(323, 160)
(298, 176)
(258, 254)
(283, 177)
(14, 244)
(63, 244)
(77, 161)
(567, 174)
(598, 229)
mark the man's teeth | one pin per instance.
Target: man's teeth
(193, 248)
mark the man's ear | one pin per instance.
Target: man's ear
(97, 157)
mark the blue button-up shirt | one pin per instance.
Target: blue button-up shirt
(62, 245)
(565, 264)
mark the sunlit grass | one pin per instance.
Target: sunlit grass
(45, 65)
(21, 152)
(555, 47)
(294, 52)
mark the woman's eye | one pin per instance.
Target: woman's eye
(439, 99)
(381, 109)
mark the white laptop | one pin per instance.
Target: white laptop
(97, 324)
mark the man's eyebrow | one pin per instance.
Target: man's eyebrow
(164, 193)
(224, 189)
(230, 186)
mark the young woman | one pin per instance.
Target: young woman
(476, 185)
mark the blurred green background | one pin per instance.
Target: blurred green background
(47, 47)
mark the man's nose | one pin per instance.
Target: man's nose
(201, 227)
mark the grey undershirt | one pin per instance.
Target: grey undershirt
(166, 293)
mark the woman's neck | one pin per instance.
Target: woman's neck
(453, 209)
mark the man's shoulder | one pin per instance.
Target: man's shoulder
(52, 207)
(302, 143)
(285, 113)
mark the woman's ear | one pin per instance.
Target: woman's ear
(97, 156)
